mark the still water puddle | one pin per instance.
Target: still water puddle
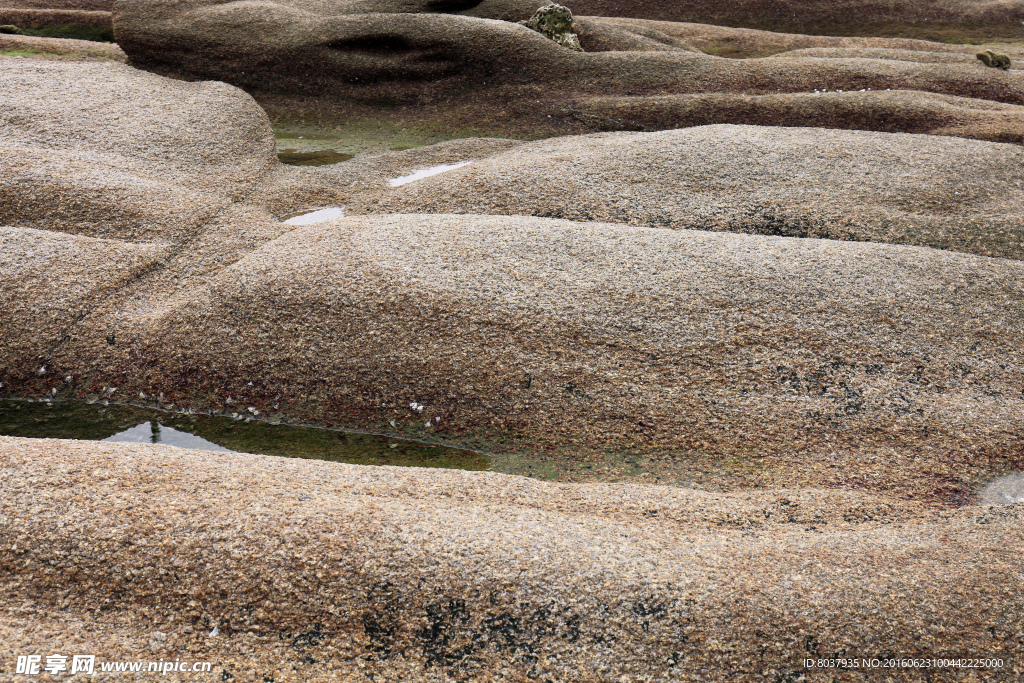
(97, 422)
(1004, 490)
(426, 173)
(310, 216)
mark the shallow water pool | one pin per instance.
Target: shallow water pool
(122, 423)
(1004, 490)
(310, 216)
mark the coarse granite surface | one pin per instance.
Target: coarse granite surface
(314, 571)
(827, 402)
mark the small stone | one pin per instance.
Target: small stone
(554, 22)
(996, 60)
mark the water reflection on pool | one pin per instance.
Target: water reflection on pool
(98, 422)
(154, 432)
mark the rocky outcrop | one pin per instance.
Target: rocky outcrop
(392, 54)
(943, 19)
(791, 182)
(803, 343)
(628, 332)
(291, 570)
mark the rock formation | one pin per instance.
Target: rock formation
(816, 332)
(939, 20)
(298, 571)
(554, 22)
(632, 329)
(790, 182)
(389, 54)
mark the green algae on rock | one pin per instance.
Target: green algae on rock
(431, 66)
(996, 60)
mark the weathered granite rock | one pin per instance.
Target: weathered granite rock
(919, 112)
(112, 164)
(80, 49)
(390, 54)
(726, 41)
(939, 20)
(297, 571)
(843, 378)
(61, 5)
(554, 22)
(38, 18)
(745, 359)
(939, 192)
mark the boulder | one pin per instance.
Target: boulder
(996, 60)
(98, 176)
(554, 22)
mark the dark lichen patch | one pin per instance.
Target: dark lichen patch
(21, 53)
(320, 157)
(77, 420)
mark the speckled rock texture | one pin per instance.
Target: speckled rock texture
(316, 571)
(417, 56)
(554, 22)
(121, 154)
(736, 359)
(605, 32)
(934, 18)
(61, 5)
(38, 18)
(831, 405)
(940, 192)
